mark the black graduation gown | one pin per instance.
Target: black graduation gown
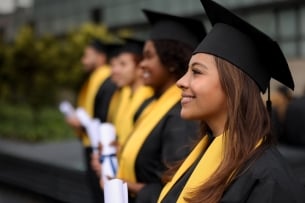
(103, 98)
(267, 179)
(171, 140)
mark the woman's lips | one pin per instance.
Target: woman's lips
(186, 99)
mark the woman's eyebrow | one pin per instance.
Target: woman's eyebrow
(198, 64)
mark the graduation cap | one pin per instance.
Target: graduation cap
(98, 45)
(132, 45)
(113, 49)
(249, 49)
(169, 27)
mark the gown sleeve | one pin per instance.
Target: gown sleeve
(102, 100)
(270, 191)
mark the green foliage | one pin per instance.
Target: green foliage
(34, 72)
(21, 123)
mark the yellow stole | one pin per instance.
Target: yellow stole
(113, 106)
(129, 104)
(88, 93)
(149, 118)
(204, 169)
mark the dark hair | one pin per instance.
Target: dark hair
(137, 58)
(174, 55)
(248, 126)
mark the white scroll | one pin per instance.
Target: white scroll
(108, 155)
(115, 191)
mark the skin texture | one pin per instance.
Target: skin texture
(202, 94)
(92, 59)
(114, 64)
(126, 71)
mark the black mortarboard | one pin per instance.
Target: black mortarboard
(132, 45)
(98, 45)
(113, 49)
(238, 42)
(169, 27)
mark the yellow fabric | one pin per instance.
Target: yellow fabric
(88, 93)
(124, 103)
(143, 127)
(204, 169)
(113, 106)
(129, 104)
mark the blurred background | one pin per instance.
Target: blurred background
(41, 43)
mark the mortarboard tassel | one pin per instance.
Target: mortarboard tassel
(268, 102)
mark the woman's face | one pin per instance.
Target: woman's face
(125, 71)
(202, 95)
(154, 72)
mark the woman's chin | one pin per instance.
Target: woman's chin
(186, 115)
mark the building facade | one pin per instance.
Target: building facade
(283, 20)
(59, 16)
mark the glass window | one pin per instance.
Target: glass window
(264, 21)
(287, 23)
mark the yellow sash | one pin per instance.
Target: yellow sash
(88, 92)
(143, 127)
(204, 169)
(128, 107)
(113, 106)
(120, 116)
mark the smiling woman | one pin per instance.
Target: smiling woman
(236, 159)
(160, 137)
(202, 97)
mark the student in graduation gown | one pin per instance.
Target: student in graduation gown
(94, 97)
(131, 93)
(128, 76)
(160, 137)
(235, 160)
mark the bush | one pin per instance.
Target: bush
(23, 123)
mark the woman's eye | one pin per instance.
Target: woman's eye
(195, 71)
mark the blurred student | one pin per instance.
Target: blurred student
(94, 97)
(131, 92)
(160, 137)
(128, 76)
(235, 160)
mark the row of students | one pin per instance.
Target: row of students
(160, 137)
(221, 76)
(94, 97)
